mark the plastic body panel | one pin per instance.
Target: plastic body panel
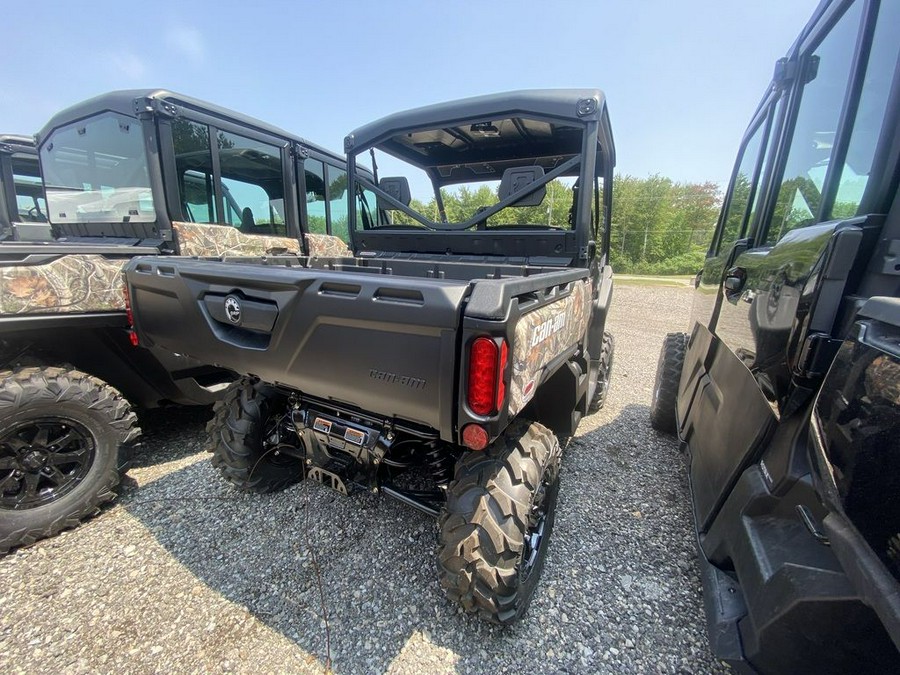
(379, 343)
(364, 338)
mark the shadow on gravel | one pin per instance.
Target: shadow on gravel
(620, 590)
(163, 433)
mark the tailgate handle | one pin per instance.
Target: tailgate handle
(236, 311)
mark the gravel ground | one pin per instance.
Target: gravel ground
(185, 575)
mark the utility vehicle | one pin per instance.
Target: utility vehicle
(438, 363)
(786, 391)
(130, 173)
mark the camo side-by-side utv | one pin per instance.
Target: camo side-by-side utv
(130, 173)
(441, 360)
(785, 392)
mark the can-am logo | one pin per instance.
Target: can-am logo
(394, 378)
(233, 309)
(547, 328)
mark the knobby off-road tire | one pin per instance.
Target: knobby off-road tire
(665, 389)
(243, 444)
(64, 437)
(496, 525)
(604, 374)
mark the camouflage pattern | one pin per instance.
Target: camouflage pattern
(883, 380)
(196, 239)
(327, 246)
(543, 334)
(73, 283)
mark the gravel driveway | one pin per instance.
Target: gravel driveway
(184, 574)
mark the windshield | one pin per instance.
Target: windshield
(513, 173)
(95, 171)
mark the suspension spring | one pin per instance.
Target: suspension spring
(438, 462)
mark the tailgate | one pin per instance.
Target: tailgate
(384, 344)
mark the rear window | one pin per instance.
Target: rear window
(95, 171)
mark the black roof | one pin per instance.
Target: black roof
(489, 129)
(17, 143)
(557, 103)
(125, 102)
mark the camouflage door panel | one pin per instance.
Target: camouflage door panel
(73, 283)
(223, 240)
(327, 246)
(543, 334)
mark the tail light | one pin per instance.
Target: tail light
(475, 437)
(129, 316)
(487, 362)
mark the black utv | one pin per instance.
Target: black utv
(441, 360)
(786, 391)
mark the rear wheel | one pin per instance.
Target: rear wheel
(246, 434)
(665, 389)
(604, 373)
(496, 525)
(61, 433)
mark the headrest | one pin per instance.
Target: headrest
(518, 179)
(398, 188)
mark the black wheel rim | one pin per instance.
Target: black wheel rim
(42, 460)
(536, 535)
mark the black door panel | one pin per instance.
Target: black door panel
(693, 370)
(756, 323)
(731, 418)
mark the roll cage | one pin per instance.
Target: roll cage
(562, 133)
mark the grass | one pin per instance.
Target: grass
(676, 280)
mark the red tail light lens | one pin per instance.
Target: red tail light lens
(501, 385)
(487, 362)
(475, 437)
(129, 315)
(482, 375)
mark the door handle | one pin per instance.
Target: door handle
(735, 278)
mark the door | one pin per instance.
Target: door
(737, 382)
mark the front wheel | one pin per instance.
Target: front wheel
(496, 525)
(61, 432)
(604, 373)
(665, 388)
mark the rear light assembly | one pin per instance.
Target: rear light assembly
(486, 388)
(129, 315)
(475, 437)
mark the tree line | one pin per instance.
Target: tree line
(659, 226)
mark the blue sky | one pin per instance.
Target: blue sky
(682, 78)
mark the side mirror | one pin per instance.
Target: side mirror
(397, 187)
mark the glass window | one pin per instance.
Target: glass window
(767, 159)
(827, 75)
(337, 202)
(741, 189)
(366, 213)
(96, 172)
(870, 114)
(193, 162)
(30, 204)
(317, 222)
(252, 184)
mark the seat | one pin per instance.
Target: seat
(247, 221)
